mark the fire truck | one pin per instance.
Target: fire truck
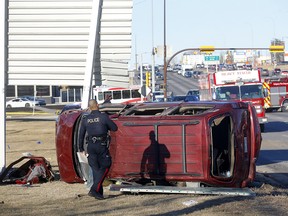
(277, 93)
(241, 85)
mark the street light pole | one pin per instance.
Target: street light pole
(153, 52)
(165, 63)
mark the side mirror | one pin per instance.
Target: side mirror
(214, 96)
(265, 92)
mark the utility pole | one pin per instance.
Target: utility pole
(153, 51)
(165, 63)
(141, 76)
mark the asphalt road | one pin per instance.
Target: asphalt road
(180, 85)
(273, 158)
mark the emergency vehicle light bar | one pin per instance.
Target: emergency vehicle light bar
(240, 81)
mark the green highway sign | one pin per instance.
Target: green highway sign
(212, 58)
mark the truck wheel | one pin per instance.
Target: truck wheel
(262, 127)
(284, 107)
(27, 105)
(9, 106)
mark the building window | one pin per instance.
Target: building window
(42, 91)
(25, 90)
(10, 91)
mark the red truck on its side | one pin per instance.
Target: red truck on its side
(211, 143)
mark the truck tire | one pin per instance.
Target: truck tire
(27, 105)
(284, 107)
(262, 128)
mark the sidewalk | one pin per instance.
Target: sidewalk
(39, 113)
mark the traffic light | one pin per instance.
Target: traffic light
(276, 48)
(207, 49)
(154, 51)
(148, 79)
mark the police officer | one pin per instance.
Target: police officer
(97, 125)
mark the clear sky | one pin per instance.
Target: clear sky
(220, 23)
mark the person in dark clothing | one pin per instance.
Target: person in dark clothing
(97, 125)
(107, 99)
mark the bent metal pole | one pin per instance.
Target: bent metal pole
(88, 75)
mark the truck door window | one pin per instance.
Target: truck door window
(222, 147)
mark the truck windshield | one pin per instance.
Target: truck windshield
(238, 92)
(227, 93)
(251, 91)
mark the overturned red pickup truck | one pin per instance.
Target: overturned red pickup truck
(210, 143)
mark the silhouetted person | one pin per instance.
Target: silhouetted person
(153, 160)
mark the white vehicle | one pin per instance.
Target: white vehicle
(21, 102)
(158, 96)
(186, 68)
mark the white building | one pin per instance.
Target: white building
(192, 59)
(48, 46)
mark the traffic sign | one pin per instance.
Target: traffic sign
(276, 48)
(212, 58)
(207, 49)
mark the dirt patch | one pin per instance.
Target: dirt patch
(60, 198)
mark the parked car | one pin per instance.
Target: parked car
(179, 98)
(185, 98)
(197, 74)
(21, 102)
(158, 96)
(42, 102)
(264, 72)
(169, 68)
(143, 76)
(188, 74)
(159, 75)
(199, 65)
(191, 98)
(277, 71)
(194, 92)
(210, 143)
(177, 67)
